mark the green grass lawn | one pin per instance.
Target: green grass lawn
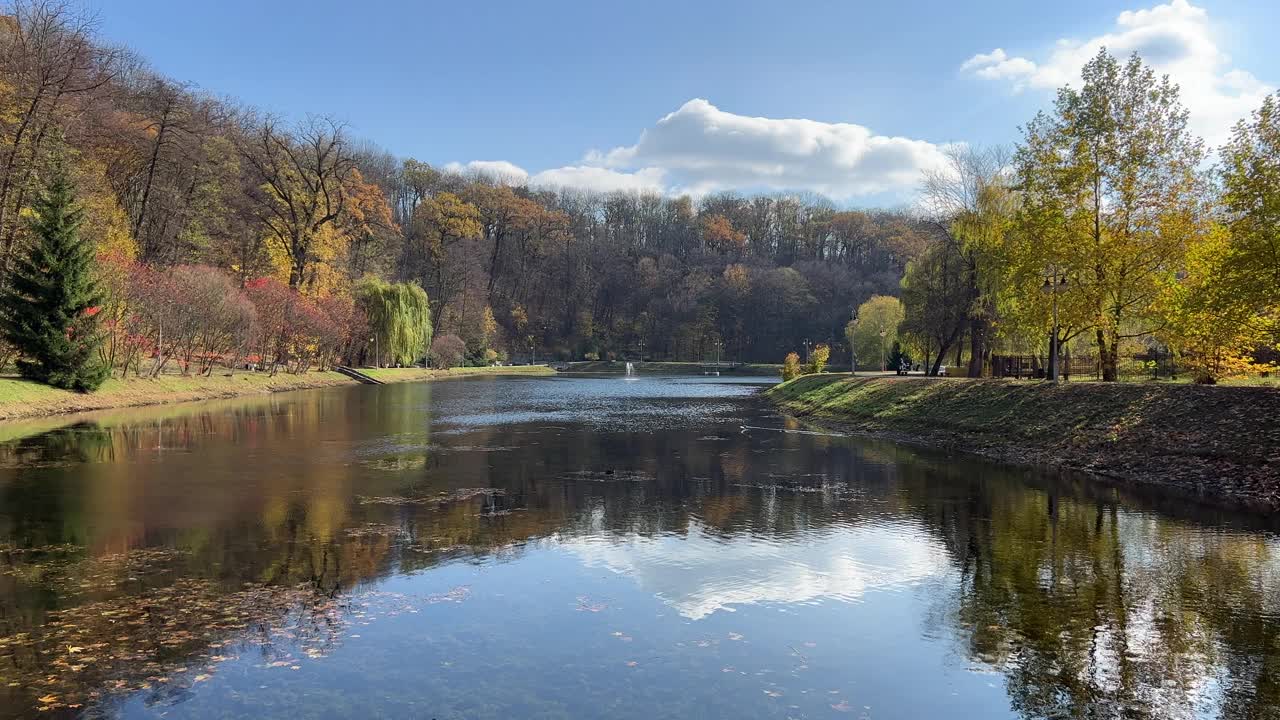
(1025, 409)
(22, 398)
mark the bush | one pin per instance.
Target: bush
(818, 360)
(791, 367)
(447, 351)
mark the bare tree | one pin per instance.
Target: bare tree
(50, 58)
(299, 182)
(971, 202)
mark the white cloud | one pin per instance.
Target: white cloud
(582, 177)
(498, 169)
(700, 148)
(704, 148)
(601, 179)
(996, 65)
(1175, 38)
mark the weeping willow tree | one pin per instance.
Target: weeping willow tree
(399, 320)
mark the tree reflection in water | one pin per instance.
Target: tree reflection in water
(142, 550)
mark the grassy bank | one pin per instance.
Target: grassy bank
(1216, 442)
(24, 399)
(420, 374)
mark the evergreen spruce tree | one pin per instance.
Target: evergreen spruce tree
(45, 310)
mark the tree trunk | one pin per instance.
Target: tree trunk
(937, 366)
(493, 262)
(944, 344)
(978, 328)
(1108, 356)
(151, 174)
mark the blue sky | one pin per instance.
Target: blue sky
(563, 91)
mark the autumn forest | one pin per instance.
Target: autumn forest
(222, 235)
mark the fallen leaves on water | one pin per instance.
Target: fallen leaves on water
(838, 488)
(586, 604)
(137, 627)
(479, 448)
(608, 476)
(395, 464)
(457, 495)
(376, 530)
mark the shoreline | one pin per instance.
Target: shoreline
(26, 400)
(665, 367)
(1214, 444)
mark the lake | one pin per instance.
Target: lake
(589, 547)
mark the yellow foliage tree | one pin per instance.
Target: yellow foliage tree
(1113, 169)
(791, 367)
(818, 359)
(875, 328)
(1209, 322)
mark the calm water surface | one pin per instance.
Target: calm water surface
(599, 547)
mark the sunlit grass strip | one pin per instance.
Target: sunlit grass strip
(1014, 409)
(25, 399)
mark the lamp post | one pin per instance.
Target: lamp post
(882, 333)
(1055, 282)
(853, 351)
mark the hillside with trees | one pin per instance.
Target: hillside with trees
(225, 236)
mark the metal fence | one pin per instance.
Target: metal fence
(1152, 365)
